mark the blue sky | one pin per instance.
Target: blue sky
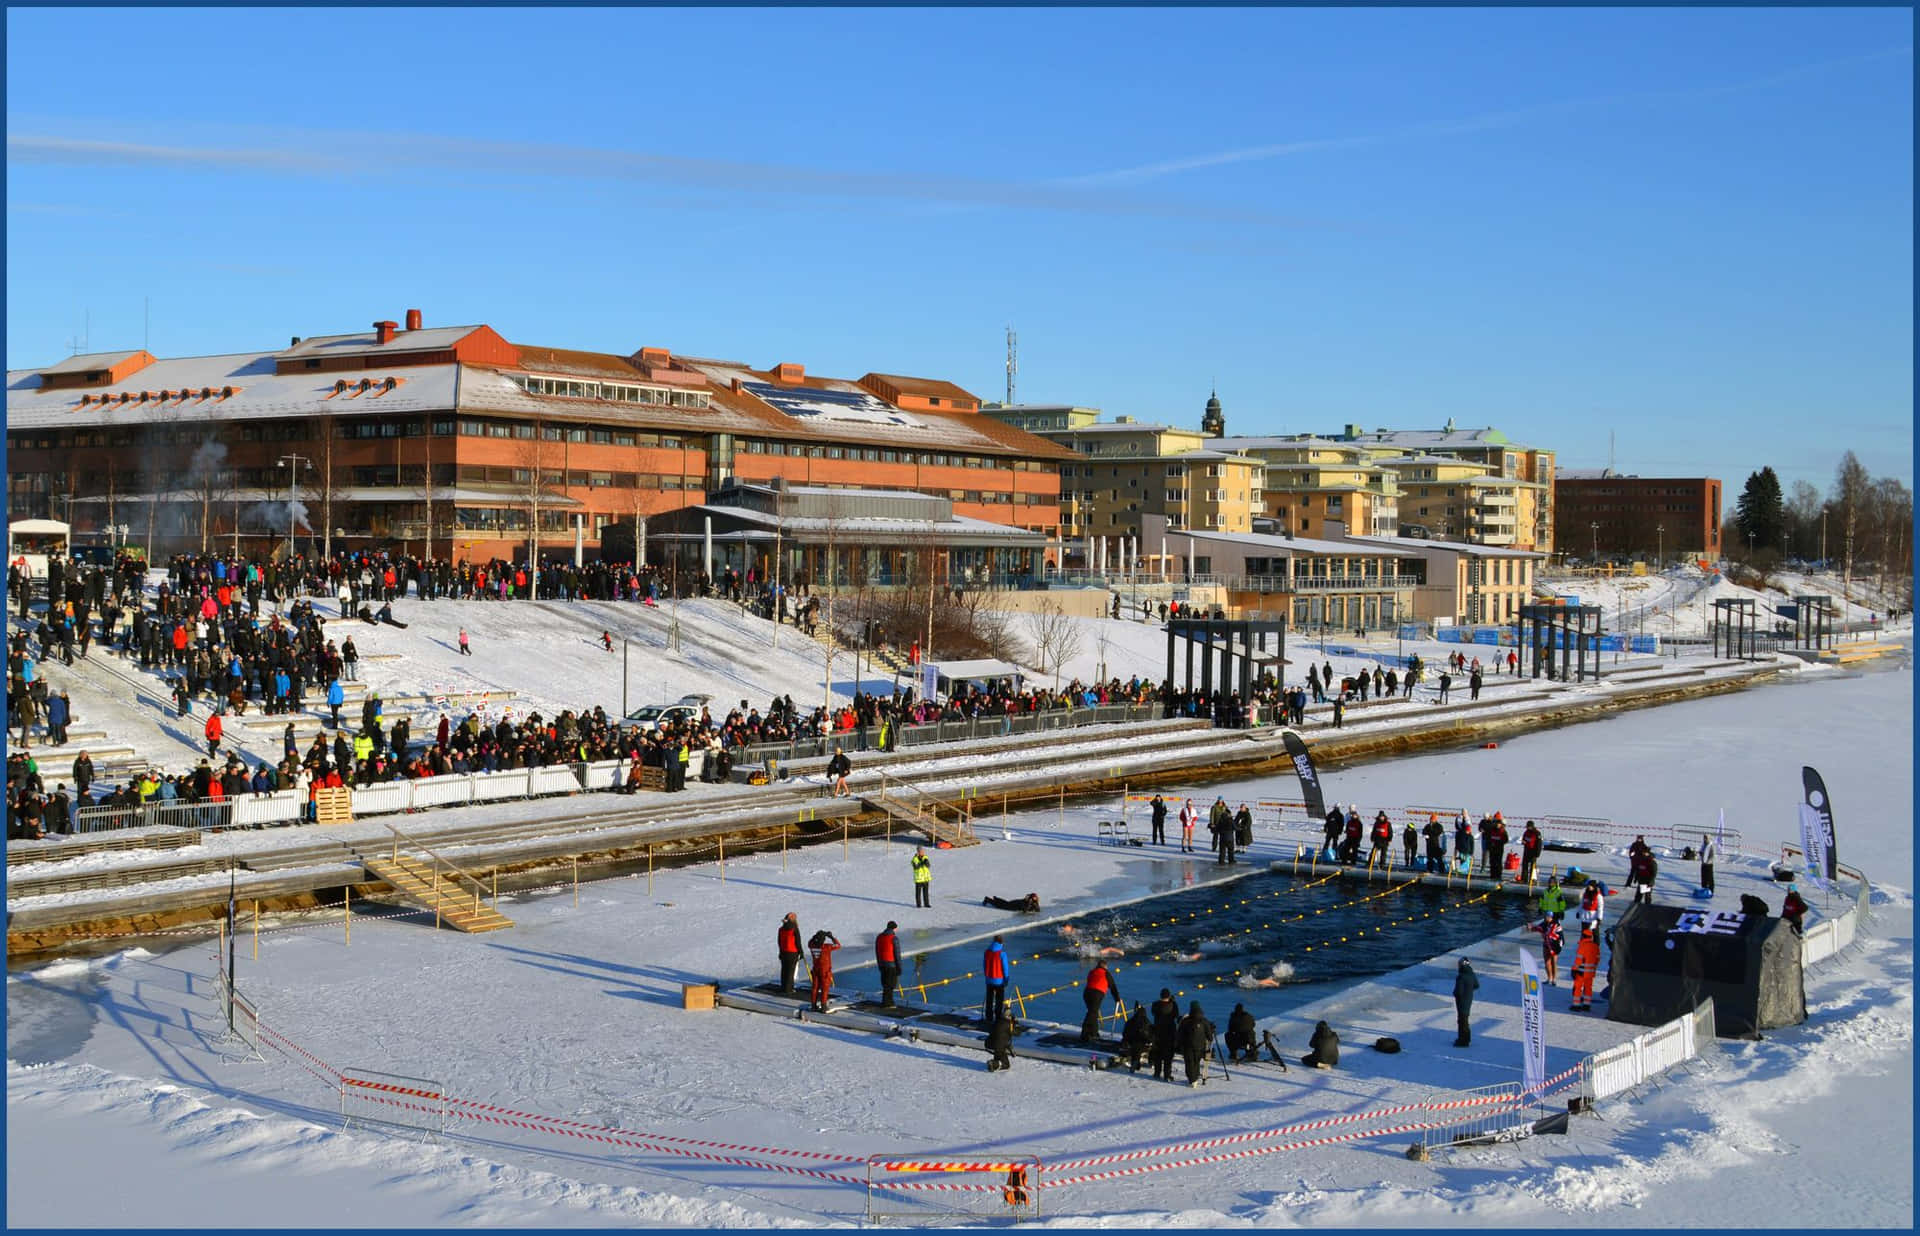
(1690, 227)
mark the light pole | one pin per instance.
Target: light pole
(292, 463)
(1660, 546)
(1594, 527)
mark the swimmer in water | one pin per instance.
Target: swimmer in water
(1112, 952)
(1261, 982)
(1186, 957)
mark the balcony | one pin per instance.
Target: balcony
(1319, 583)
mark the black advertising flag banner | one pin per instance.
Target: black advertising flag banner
(1817, 798)
(1309, 779)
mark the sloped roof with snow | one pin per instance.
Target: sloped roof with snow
(258, 393)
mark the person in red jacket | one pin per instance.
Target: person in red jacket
(886, 953)
(789, 945)
(1100, 984)
(993, 965)
(823, 945)
(1382, 838)
(214, 731)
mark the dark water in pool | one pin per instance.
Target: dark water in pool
(1273, 941)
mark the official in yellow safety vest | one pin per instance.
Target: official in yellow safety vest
(922, 878)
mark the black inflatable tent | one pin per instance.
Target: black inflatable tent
(1666, 959)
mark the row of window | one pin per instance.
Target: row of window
(612, 392)
(874, 454)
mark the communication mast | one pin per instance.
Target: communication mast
(1013, 362)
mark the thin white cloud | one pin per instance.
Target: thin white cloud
(1472, 124)
(354, 154)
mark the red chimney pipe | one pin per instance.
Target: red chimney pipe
(383, 331)
(413, 319)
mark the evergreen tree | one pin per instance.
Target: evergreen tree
(1760, 515)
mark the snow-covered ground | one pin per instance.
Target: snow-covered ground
(574, 1015)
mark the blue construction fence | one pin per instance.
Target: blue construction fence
(1507, 637)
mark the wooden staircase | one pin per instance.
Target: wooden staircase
(420, 883)
(958, 832)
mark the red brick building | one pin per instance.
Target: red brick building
(1636, 516)
(421, 438)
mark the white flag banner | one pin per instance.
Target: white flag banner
(1533, 1023)
(1720, 841)
(1813, 839)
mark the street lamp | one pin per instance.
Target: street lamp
(1660, 546)
(293, 463)
(1595, 528)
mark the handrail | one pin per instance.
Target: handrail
(479, 886)
(959, 810)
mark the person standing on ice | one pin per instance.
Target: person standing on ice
(1551, 938)
(788, 942)
(886, 954)
(1380, 841)
(465, 650)
(1553, 902)
(1436, 834)
(1586, 963)
(1531, 843)
(1166, 1033)
(1196, 1037)
(1463, 841)
(1410, 842)
(1159, 809)
(1707, 855)
(993, 965)
(823, 945)
(922, 878)
(1465, 983)
(1593, 906)
(1220, 824)
(1188, 816)
(1100, 984)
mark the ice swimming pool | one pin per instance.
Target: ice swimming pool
(1272, 940)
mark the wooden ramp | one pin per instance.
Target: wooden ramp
(924, 818)
(419, 883)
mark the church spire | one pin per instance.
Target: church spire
(1213, 421)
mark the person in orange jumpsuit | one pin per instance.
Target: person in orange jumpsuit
(823, 944)
(1586, 962)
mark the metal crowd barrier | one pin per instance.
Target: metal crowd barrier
(1479, 1117)
(392, 1101)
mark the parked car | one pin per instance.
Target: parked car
(653, 716)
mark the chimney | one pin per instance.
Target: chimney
(295, 343)
(413, 319)
(790, 373)
(657, 358)
(383, 331)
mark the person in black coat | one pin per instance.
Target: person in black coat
(1325, 1047)
(1436, 835)
(1137, 1039)
(1159, 806)
(1166, 1030)
(1000, 1044)
(1196, 1037)
(1336, 820)
(1465, 983)
(1242, 1035)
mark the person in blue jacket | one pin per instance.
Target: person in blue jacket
(994, 966)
